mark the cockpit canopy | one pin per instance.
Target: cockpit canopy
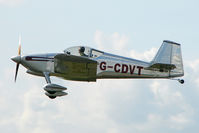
(83, 51)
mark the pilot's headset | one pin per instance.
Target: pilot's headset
(82, 49)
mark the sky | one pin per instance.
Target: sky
(129, 28)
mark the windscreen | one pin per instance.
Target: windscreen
(78, 51)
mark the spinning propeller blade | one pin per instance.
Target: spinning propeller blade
(17, 68)
(19, 48)
(17, 59)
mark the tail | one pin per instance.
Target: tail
(169, 59)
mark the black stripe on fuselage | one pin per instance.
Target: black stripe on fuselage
(36, 58)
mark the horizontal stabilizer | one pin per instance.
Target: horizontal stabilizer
(161, 67)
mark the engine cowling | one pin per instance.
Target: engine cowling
(54, 88)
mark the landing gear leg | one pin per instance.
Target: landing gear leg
(47, 77)
(179, 80)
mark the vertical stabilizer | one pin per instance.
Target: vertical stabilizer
(169, 59)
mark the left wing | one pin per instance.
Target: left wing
(75, 67)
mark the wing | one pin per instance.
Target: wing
(75, 67)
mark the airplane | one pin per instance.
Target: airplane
(82, 63)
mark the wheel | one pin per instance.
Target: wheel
(181, 81)
(51, 92)
(52, 97)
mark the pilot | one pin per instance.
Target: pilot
(81, 51)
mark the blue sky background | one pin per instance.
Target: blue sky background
(131, 28)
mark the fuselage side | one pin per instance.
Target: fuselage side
(108, 66)
(39, 63)
(113, 66)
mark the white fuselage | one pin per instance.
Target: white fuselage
(39, 62)
(113, 66)
(108, 66)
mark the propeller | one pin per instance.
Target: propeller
(17, 58)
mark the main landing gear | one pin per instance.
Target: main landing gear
(53, 90)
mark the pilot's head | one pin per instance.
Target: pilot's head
(81, 49)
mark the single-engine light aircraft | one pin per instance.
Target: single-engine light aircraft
(81, 63)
